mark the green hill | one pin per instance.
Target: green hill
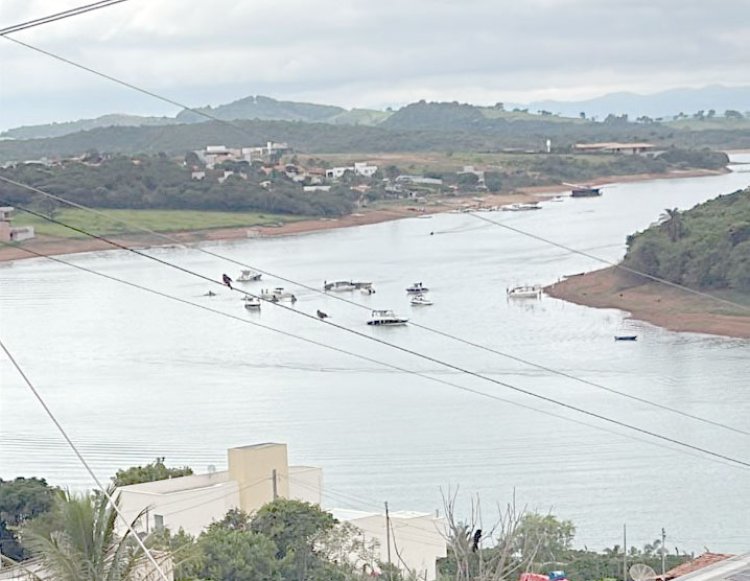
(707, 247)
(263, 108)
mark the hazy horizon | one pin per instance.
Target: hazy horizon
(364, 54)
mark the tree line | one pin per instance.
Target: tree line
(706, 247)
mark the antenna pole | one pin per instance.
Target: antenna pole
(624, 552)
(663, 551)
(388, 539)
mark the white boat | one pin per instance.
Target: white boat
(417, 288)
(339, 286)
(252, 303)
(420, 301)
(386, 318)
(249, 276)
(521, 207)
(276, 294)
(526, 291)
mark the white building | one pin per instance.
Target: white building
(360, 168)
(9, 233)
(255, 476)
(417, 539)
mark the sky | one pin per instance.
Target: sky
(363, 53)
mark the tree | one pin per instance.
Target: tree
(494, 553)
(732, 114)
(237, 555)
(192, 160)
(21, 499)
(295, 528)
(671, 219)
(82, 544)
(152, 472)
(550, 538)
(493, 180)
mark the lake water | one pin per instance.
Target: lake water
(133, 376)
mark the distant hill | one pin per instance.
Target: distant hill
(264, 109)
(65, 128)
(663, 104)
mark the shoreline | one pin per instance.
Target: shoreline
(53, 246)
(651, 302)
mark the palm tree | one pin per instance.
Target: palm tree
(672, 220)
(81, 543)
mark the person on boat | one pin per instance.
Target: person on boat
(294, 299)
(227, 280)
(274, 299)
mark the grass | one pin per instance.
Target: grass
(158, 220)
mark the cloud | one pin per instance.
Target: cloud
(371, 52)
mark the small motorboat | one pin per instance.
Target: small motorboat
(626, 337)
(252, 303)
(339, 286)
(420, 301)
(417, 288)
(322, 315)
(386, 318)
(584, 191)
(210, 294)
(521, 207)
(526, 291)
(276, 295)
(249, 276)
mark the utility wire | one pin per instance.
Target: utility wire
(423, 356)
(85, 464)
(411, 323)
(59, 16)
(610, 263)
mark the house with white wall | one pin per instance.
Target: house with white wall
(10, 233)
(360, 168)
(257, 474)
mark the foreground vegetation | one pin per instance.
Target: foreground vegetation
(73, 537)
(707, 247)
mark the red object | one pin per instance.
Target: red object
(533, 577)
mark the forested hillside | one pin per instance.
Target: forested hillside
(707, 247)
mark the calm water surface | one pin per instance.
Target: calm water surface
(133, 376)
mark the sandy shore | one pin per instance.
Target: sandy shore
(653, 302)
(53, 246)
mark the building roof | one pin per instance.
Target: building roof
(613, 145)
(699, 562)
(728, 568)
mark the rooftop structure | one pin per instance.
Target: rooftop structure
(10, 233)
(614, 147)
(719, 568)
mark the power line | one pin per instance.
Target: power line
(59, 16)
(610, 263)
(85, 464)
(547, 399)
(411, 323)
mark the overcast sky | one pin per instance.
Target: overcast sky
(364, 53)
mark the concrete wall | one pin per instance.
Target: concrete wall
(252, 467)
(306, 484)
(416, 539)
(191, 505)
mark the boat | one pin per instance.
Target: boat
(626, 337)
(252, 303)
(248, 276)
(584, 191)
(521, 207)
(386, 318)
(275, 295)
(339, 286)
(417, 288)
(526, 291)
(420, 300)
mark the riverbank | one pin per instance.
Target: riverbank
(53, 246)
(655, 303)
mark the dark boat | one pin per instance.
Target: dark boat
(585, 192)
(626, 337)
